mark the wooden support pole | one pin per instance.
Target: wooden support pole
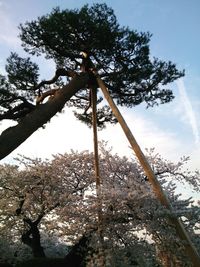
(189, 247)
(97, 171)
(95, 138)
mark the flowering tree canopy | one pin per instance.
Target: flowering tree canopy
(58, 197)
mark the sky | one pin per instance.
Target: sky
(173, 129)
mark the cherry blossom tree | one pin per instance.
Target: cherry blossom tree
(41, 188)
(59, 194)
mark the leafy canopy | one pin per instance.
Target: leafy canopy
(121, 56)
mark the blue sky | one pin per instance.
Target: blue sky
(174, 128)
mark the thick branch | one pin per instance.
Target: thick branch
(59, 72)
(41, 98)
(22, 109)
(12, 137)
(18, 112)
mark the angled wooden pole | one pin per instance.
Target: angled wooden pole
(189, 247)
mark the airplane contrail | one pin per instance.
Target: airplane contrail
(188, 110)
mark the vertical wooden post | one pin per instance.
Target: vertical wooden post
(189, 247)
(95, 138)
(97, 173)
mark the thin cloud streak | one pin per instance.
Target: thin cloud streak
(189, 112)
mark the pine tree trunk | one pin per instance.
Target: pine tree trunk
(12, 137)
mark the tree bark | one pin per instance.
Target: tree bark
(32, 239)
(12, 137)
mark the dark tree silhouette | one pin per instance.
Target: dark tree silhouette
(120, 55)
(32, 237)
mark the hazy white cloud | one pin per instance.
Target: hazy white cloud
(64, 132)
(60, 135)
(195, 158)
(188, 110)
(150, 135)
